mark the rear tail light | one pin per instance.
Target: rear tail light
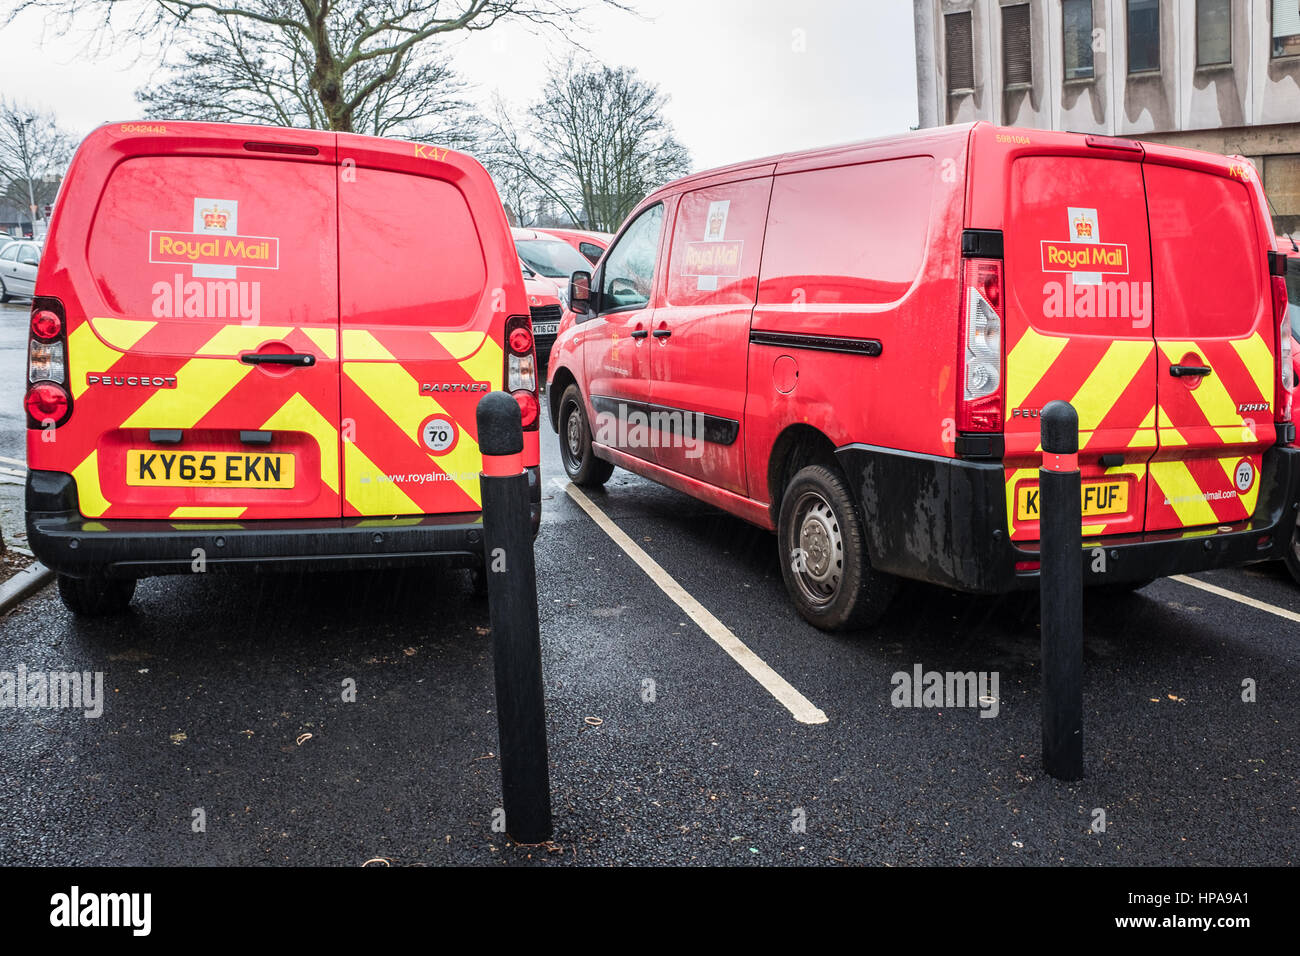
(1285, 368)
(521, 368)
(48, 402)
(980, 408)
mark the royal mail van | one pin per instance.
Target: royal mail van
(852, 347)
(1291, 249)
(259, 347)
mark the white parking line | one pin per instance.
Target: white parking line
(12, 471)
(799, 706)
(1234, 596)
(14, 461)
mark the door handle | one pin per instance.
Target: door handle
(1180, 371)
(299, 359)
(640, 334)
(662, 333)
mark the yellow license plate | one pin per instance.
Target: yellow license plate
(207, 469)
(1098, 498)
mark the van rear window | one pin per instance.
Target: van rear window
(409, 252)
(850, 235)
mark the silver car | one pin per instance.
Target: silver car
(19, 260)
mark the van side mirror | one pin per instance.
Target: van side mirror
(580, 292)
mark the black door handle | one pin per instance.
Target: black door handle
(663, 333)
(640, 334)
(1178, 371)
(300, 359)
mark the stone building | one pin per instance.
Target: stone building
(1221, 75)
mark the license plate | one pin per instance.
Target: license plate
(207, 469)
(1098, 498)
(546, 328)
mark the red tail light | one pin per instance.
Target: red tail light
(980, 405)
(47, 404)
(521, 368)
(1286, 382)
(46, 325)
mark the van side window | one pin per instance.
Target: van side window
(591, 251)
(854, 235)
(10, 252)
(28, 257)
(717, 239)
(629, 268)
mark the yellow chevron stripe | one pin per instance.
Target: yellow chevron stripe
(122, 334)
(360, 346)
(1117, 368)
(1211, 395)
(372, 497)
(327, 340)
(299, 415)
(1176, 481)
(461, 345)
(233, 339)
(1258, 359)
(201, 383)
(89, 495)
(88, 355)
(486, 365)
(1028, 363)
(393, 389)
(195, 511)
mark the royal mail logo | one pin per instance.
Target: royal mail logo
(197, 249)
(720, 259)
(1104, 257)
(215, 218)
(1083, 227)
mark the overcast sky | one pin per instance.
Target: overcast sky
(746, 78)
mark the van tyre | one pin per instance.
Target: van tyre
(824, 555)
(4, 292)
(96, 596)
(1293, 554)
(580, 461)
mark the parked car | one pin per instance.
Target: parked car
(592, 245)
(253, 365)
(19, 261)
(852, 347)
(550, 258)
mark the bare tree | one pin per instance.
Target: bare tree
(255, 73)
(342, 54)
(34, 152)
(594, 144)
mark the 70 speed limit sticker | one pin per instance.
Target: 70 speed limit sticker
(1244, 475)
(438, 434)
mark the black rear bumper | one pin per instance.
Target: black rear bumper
(944, 521)
(82, 547)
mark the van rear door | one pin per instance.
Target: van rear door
(422, 323)
(1215, 336)
(1078, 325)
(204, 364)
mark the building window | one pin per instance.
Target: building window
(1286, 27)
(959, 47)
(1144, 35)
(1017, 51)
(1214, 32)
(1078, 38)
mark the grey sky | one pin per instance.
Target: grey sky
(746, 77)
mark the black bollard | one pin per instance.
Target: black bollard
(1060, 583)
(516, 639)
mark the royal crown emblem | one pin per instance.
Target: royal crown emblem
(1083, 227)
(215, 218)
(715, 224)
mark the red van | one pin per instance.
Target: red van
(591, 244)
(852, 346)
(263, 347)
(1291, 249)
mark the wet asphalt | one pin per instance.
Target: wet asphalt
(224, 705)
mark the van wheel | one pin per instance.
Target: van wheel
(1293, 554)
(4, 292)
(580, 461)
(97, 596)
(824, 557)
